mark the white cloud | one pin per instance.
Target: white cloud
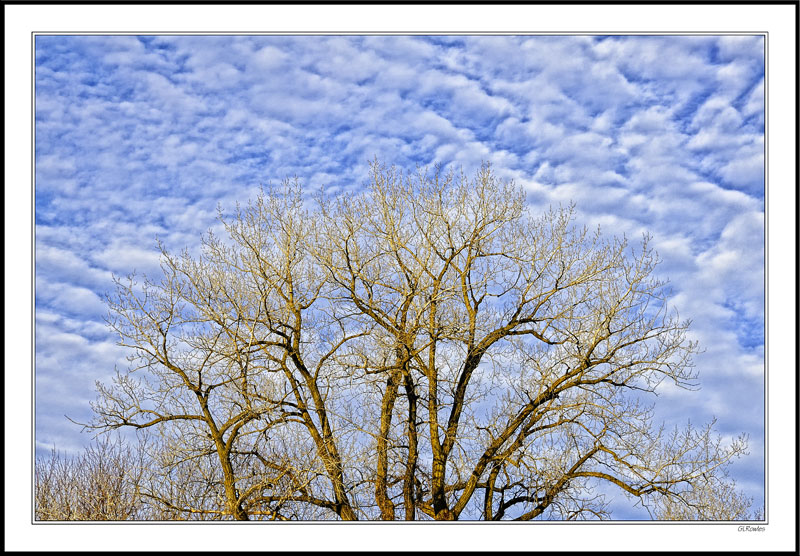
(170, 95)
(747, 169)
(268, 58)
(738, 257)
(62, 296)
(748, 47)
(718, 112)
(122, 258)
(754, 105)
(70, 266)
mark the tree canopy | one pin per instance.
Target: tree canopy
(427, 348)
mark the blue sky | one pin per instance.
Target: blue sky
(139, 137)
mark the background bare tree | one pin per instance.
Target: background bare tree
(713, 498)
(100, 484)
(427, 349)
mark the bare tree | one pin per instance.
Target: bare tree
(426, 349)
(714, 497)
(102, 483)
